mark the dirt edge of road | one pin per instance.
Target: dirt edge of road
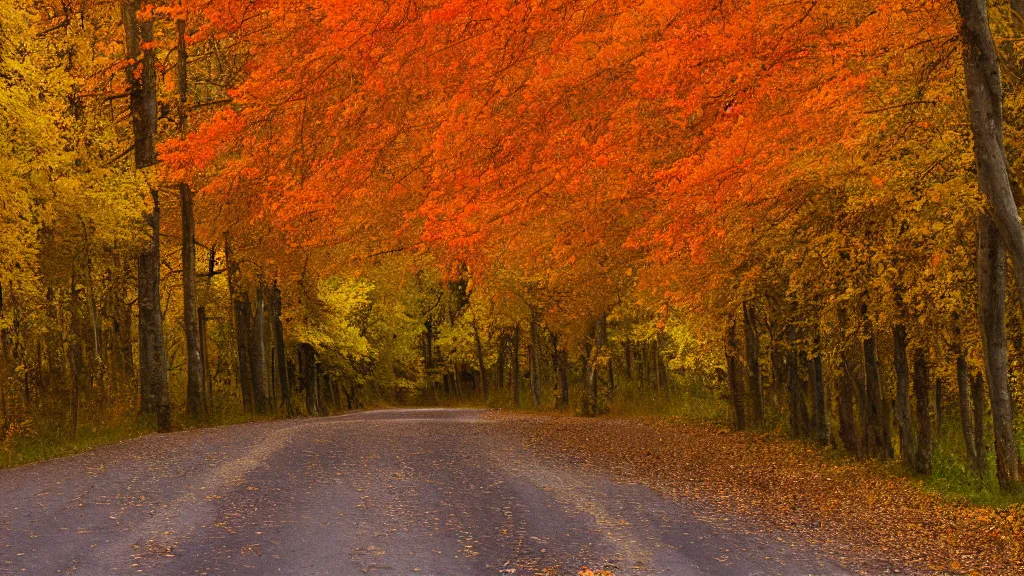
(867, 519)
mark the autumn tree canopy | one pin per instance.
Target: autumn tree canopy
(298, 206)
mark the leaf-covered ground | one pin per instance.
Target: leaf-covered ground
(864, 516)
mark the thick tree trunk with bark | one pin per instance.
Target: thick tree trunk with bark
(139, 50)
(922, 397)
(902, 371)
(190, 312)
(985, 96)
(992, 312)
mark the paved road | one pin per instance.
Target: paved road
(403, 492)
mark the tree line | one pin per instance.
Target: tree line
(315, 205)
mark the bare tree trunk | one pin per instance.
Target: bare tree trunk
(515, 366)
(847, 391)
(193, 347)
(879, 440)
(798, 419)
(820, 420)
(563, 382)
(534, 353)
(308, 375)
(964, 390)
(259, 354)
(240, 324)
(139, 49)
(282, 363)
(564, 377)
(190, 312)
(243, 344)
(923, 458)
(752, 348)
(735, 387)
(978, 396)
(992, 294)
(203, 352)
(480, 359)
(902, 370)
(627, 353)
(502, 358)
(660, 363)
(985, 96)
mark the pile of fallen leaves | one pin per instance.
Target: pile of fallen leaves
(857, 513)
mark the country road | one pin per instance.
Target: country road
(433, 491)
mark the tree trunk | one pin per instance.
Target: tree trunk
(847, 391)
(879, 440)
(240, 324)
(282, 363)
(534, 353)
(966, 415)
(203, 339)
(193, 351)
(480, 359)
(139, 50)
(984, 96)
(243, 344)
(628, 356)
(259, 354)
(820, 420)
(992, 294)
(793, 385)
(556, 361)
(752, 349)
(502, 360)
(563, 377)
(515, 366)
(978, 395)
(923, 458)
(735, 387)
(428, 345)
(902, 370)
(190, 312)
(308, 376)
(660, 363)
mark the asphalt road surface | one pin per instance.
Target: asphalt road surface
(405, 492)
